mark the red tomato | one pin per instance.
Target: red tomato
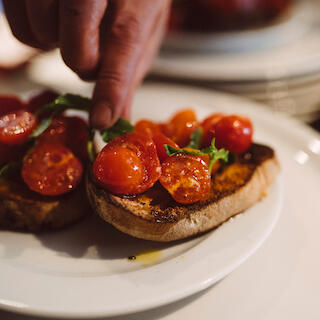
(233, 133)
(208, 126)
(160, 140)
(77, 137)
(186, 178)
(181, 126)
(71, 132)
(40, 99)
(16, 127)
(123, 161)
(119, 170)
(56, 132)
(51, 169)
(146, 127)
(9, 103)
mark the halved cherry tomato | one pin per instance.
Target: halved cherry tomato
(181, 126)
(40, 99)
(10, 103)
(139, 159)
(208, 126)
(186, 178)
(119, 170)
(16, 127)
(71, 132)
(51, 169)
(146, 127)
(233, 133)
(160, 140)
(206, 159)
(56, 132)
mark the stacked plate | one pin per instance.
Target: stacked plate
(279, 65)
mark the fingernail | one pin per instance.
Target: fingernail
(102, 116)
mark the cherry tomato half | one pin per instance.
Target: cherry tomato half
(186, 178)
(16, 127)
(146, 127)
(233, 133)
(119, 170)
(208, 126)
(160, 140)
(206, 159)
(180, 127)
(71, 132)
(40, 99)
(138, 160)
(9, 103)
(51, 169)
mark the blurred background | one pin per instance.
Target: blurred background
(265, 50)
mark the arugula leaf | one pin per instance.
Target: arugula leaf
(196, 139)
(8, 168)
(42, 126)
(121, 127)
(213, 153)
(66, 101)
(62, 103)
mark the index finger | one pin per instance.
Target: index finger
(131, 26)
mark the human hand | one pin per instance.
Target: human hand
(110, 41)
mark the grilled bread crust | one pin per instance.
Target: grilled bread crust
(154, 215)
(23, 210)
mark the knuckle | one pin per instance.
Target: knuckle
(127, 28)
(112, 77)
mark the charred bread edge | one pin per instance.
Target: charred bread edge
(21, 213)
(206, 218)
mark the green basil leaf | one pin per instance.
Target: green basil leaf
(213, 153)
(42, 126)
(121, 127)
(196, 139)
(66, 101)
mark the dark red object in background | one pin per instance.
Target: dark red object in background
(224, 15)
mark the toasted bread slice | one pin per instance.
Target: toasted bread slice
(24, 210)
(154, 215)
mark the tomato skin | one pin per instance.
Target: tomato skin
(16, 127)
(9, 104)
(119, 170)
(186, 178)
(180, 127)
(233, 133)
(146, 127)
(40, 99)
(160, 140)
(144, 148)
(56, 132)
(208, 126)
(51, 169)
(71, 132)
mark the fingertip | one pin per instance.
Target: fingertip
(101, 116)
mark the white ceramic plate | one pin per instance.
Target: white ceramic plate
(296, 58)
(84, 271)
